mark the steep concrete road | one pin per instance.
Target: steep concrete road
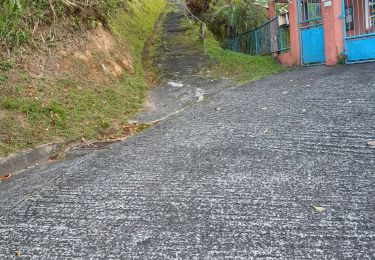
(236, 175)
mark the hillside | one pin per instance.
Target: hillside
(71, 71)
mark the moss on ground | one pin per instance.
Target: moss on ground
(38, 111)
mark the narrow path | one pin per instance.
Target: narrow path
(236, 182)
(180, 61)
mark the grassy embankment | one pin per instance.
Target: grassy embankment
(240, 67)
(37, 110)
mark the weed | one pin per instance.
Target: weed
(19, 18)
(5, 65)
(58, 114)
(10, 103)
(91, 23)
(104, 123)
(3, 78)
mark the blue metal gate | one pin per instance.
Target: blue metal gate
(359, 30)
(311, 32)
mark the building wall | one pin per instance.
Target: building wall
(333, 32)
(291, 58)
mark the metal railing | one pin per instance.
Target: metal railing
(359, 18)
(193, 21)
(266, 39)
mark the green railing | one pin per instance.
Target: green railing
(266, 39)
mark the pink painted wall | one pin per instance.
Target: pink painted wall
(338, 26)
(287, 59)
(333, 30)
(291, 58)
(271, 10)
(295, 57)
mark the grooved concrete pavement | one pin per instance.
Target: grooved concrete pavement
(238, 182)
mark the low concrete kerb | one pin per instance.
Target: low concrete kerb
(26, 159)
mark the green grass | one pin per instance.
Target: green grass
(241, 67)
(37, 111)
(20, 18)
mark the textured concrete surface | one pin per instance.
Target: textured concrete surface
(238, 182)
(180, 62)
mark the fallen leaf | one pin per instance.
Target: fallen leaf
(18, 253)
(319, 209)
(83, 140)
(371, 143)
(102, 232)
(6, 177)
(30, 90)
(218, 108)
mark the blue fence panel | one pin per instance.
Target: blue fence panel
(359, 29)
(361, 49)
(266, 39)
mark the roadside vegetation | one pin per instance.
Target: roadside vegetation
(71, 69)
(20, 19)
(229, 17)
(240, 67)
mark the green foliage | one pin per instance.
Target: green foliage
(58, 114)
(237, 16)
(69, 108)
(10, 103)
(3, 78)
(198, 6)
(19, 18)
(5, 65)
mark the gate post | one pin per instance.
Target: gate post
(333, 30)
(295, 46)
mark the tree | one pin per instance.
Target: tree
(238, 15)
(198, 6)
